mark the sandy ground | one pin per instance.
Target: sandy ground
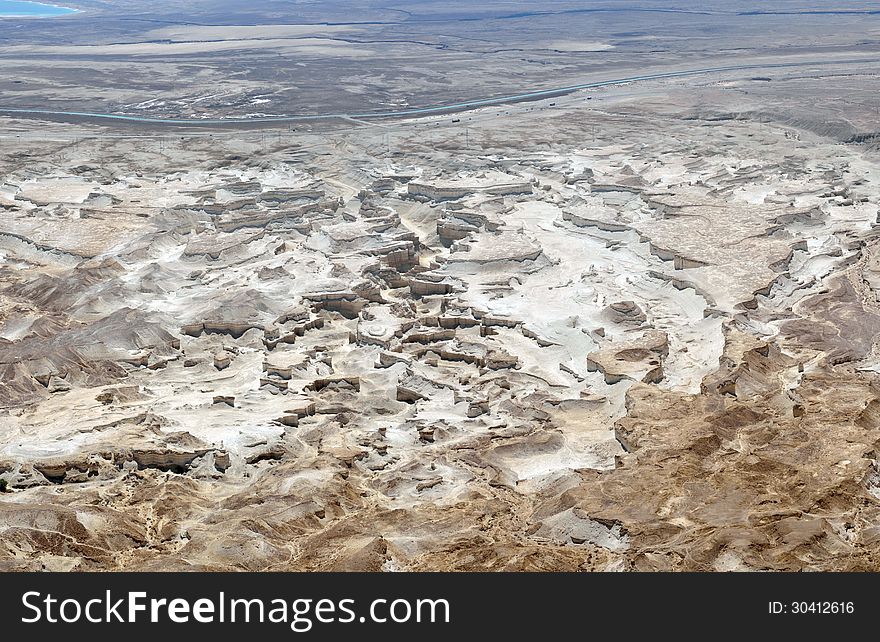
(370, 330)
(628, 328)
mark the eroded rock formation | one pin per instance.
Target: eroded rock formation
(654, 349)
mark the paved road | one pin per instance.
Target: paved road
(454, 107)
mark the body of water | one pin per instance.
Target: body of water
(10, 8)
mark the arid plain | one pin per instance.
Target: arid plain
(629, 327)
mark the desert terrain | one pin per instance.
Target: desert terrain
(630, 327)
